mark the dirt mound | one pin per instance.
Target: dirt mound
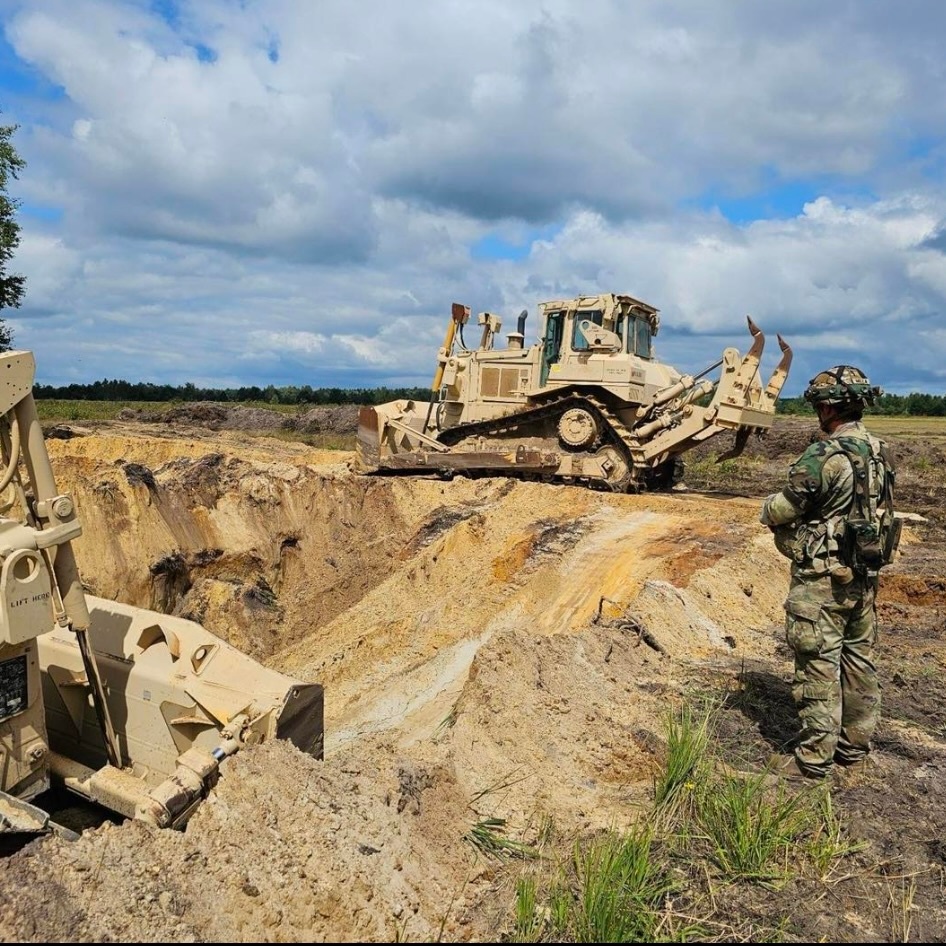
(345, 852)
(338, 420)
(320, 420)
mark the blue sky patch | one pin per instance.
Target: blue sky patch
(168, 10)
(18, 78)
(783, 202)
(40, 212)
(778, 201)
(929, 154)
(924, 146)
(205, 53)
(495, 247)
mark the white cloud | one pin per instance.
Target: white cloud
(306, 343)
(290, 192)
(53, 268)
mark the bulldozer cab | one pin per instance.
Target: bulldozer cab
(606, 325)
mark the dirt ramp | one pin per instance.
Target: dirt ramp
(542, 561)
(569, 725)
(725, 594)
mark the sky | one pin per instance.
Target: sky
(240, 192)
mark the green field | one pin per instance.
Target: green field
(929, 428)
(53, 409)
(57, 411)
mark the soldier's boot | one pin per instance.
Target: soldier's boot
(782, 766)
(867, 764)
(849, 760)
(779, 769)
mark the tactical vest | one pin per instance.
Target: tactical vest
(859, 540)
(870, 532)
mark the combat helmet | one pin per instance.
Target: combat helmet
(843, 385)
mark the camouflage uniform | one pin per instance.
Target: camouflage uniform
(831, 622)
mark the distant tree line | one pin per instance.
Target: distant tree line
(107, 390)
(917, 405)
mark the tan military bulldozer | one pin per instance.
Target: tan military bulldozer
(589, 402)
(128, 708)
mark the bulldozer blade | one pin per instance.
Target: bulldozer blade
(174, 689)
(779, 376)
(368, 443)
(739, 444)
(20, 820)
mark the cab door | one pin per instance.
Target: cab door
(552, 344)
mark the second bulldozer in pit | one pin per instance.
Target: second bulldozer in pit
(589, 402)
(125, 707)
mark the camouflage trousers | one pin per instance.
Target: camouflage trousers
(832, 628)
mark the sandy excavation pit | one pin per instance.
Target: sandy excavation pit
(385, 588)
(489, 648)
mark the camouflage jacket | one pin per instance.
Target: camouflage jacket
(807, 516)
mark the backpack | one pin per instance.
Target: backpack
(871, 532)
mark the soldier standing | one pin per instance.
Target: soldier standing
(834, 520)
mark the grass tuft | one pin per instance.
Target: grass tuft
(688, 737)
(529, 922)
(751, 829)
(487, 836)
(828, 845)
(619, 890)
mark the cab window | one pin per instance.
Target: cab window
(579, 342)
(642, 338)
(554, 325)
